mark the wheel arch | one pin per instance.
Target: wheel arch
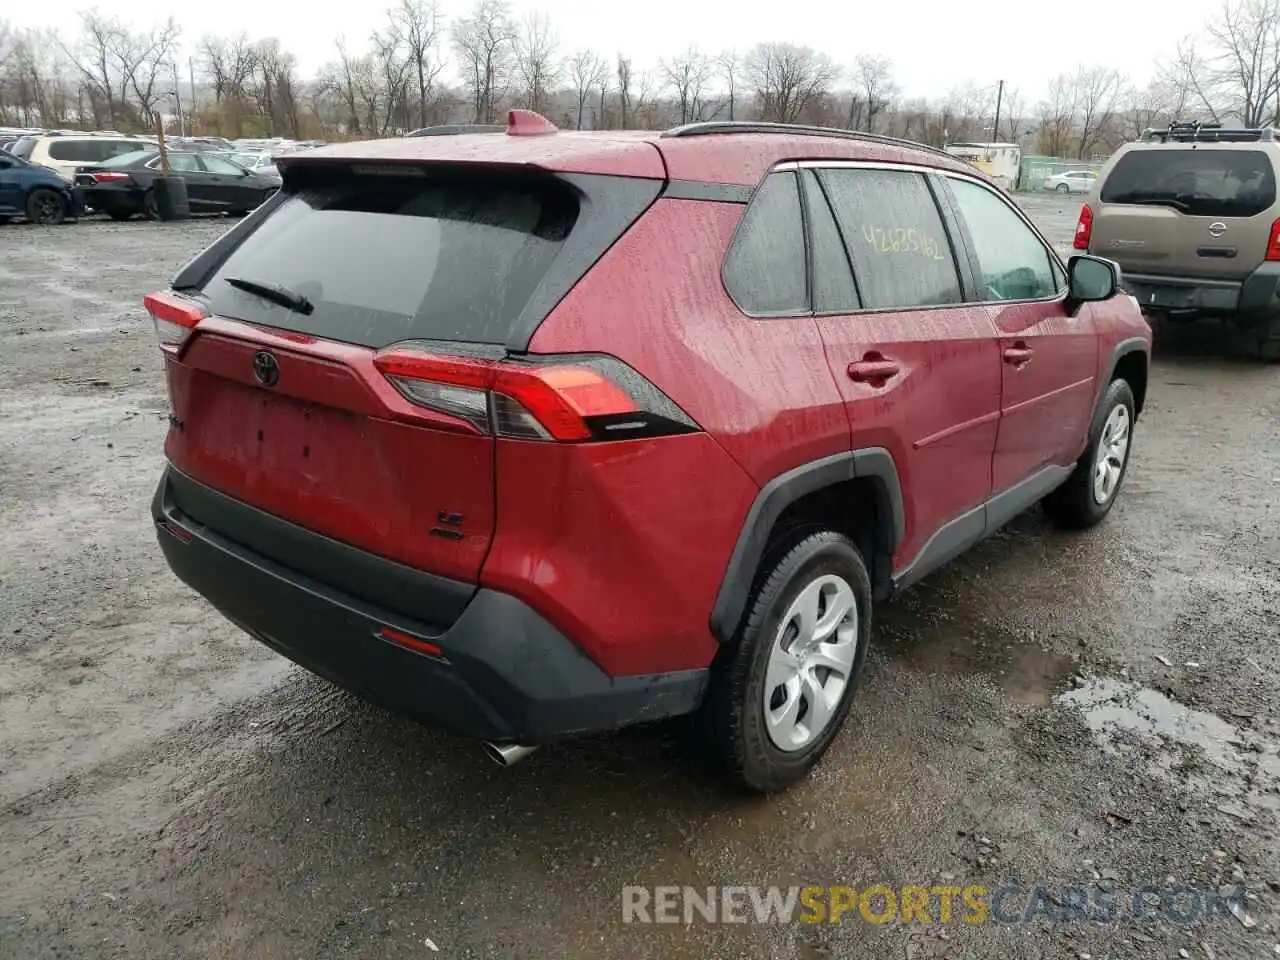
(1130, 360)
(865, 480)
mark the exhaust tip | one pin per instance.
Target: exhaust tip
(506, 754)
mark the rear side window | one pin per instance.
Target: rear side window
(764, 270)
(74, 151)
(23, 147)
(441, 256)
(1202, 183)
(901, 254)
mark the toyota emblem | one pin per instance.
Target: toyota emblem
(1217, 229)
(265, 368)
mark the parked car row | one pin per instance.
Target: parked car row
(123, 186)
(50, 176)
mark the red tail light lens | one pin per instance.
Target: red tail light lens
(108, 177)
(1084, 229)
(568, 399)
(1273, 242)
(174, 316)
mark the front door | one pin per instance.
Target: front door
(918, 367)
(1048, 353)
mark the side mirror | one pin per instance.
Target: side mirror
(1091, 279)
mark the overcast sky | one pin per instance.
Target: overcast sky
(934, 44)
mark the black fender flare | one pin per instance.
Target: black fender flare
(1121, 349)
(874, 463)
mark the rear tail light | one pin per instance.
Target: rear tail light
(563, 398)
(1273, 242)
(107, 177)
(174, 316)
(1084, 228)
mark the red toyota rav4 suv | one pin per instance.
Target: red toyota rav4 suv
(536, 434)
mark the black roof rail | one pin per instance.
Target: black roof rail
(453, 129)
(754, 126)
(1196, 132)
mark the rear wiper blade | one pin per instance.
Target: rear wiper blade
(281, 296)
(1159, 202)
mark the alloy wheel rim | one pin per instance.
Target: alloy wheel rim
(1113, 448)
(810, 663)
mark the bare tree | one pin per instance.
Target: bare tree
(688, 74)
(392, 69)
(345, 85)
(536, 61)
(1096, 91)
(1248, 60)
(96, 63)
(1189, 83)
(485, 42)
(1013, 115)
(1057, 116)
(144, 58)
(730, 69)
(418, 22)
(586, 72)
(624, 88)
(787, 79)
(874, 76)
(229, 63)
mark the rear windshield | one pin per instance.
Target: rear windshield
(1203, 183)
(439, 256)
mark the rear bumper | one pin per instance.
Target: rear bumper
(503, 672)
(1253, 301)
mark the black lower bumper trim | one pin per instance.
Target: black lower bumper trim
(506, 674)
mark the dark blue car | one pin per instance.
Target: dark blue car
(35, 192)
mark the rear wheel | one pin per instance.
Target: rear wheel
(46, 207)
(4, 220)
(780, 694)
(149, 205)
(1064, 188)
(1093, 486)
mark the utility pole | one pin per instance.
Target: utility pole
(995, 127)
(177, 100)
(191, 75)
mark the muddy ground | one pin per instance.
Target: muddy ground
(1096, 710)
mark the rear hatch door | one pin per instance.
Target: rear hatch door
(278, 397)
(1187, 210)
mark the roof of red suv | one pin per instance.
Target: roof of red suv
(721, 154)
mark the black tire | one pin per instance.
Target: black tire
(732, 723)
(46, 207)
(120, 215)
(4, 220)
(1074, 505)
(149, 205)
(1063, 188)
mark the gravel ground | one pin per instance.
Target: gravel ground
(1052, 710)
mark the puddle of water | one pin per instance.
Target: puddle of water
(1241, 765)
(1027, 672)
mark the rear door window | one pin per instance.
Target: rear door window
(434, 256)
(764, 270)
(1202, 183)
(901, 253)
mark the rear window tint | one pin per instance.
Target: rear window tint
(764, 270)
(1203, 183)
(445, 256)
